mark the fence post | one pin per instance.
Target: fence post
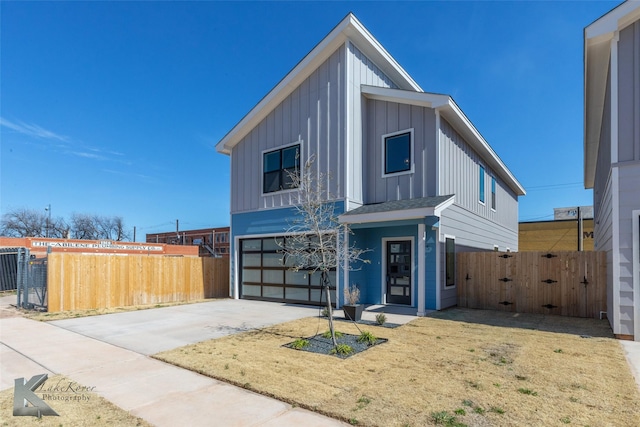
(21, 280)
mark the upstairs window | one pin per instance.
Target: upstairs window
(481, 184)
(450, 261)
(493, 193)
(279, 167)
(398, 152)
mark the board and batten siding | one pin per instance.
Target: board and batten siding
(311, 115)
(324, 115)
(628, 165)
(459, 172)
(383, 117)
(629, 94)
(361, 71)
(603, 162)
(629, 200)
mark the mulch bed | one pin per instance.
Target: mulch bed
(321, 345)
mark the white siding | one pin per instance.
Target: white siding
(629, 200)
(312, 114)
(459, 175)
(387, 117)
(629, 93)
(616, 191)
(361, 71)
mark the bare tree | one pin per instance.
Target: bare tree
(316, 240)
(97, 227)
(58, 228)
(33, 223)
(83, 227)
(24, 222)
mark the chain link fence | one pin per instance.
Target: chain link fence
(31, 281)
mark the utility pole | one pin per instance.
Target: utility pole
(48, 208)
(580, 231)
(134, 233)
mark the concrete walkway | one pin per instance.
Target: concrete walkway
(110, 353)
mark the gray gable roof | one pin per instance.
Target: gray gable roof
(398, 209)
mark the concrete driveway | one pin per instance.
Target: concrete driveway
(110, 352)
(154, 330)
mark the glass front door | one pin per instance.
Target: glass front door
(399, 272)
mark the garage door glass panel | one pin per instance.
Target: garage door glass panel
(251, 260)
(251, 275)
(251, 290)
(297, 278)
(272, 292)
(271, 276)
(252, 245)
(272, 244)
(299, 294)
(271, 260)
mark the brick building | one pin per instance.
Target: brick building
(211, 241)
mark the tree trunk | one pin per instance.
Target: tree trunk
(326, 283)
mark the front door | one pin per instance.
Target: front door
(399, 272)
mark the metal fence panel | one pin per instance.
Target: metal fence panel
(8, 269)
(32, 281)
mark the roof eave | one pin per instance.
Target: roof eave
(348, 29)
(450, 110)
(459, 120)
(597, 52)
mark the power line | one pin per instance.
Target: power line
(554, 186)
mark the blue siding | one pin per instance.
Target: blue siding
(369, 278)
(264, 223)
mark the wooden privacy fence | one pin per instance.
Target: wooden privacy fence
(561, 283)
(82, 281)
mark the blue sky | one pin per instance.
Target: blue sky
(114, 108)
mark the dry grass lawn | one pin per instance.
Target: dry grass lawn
(453, 371)
(92, 410)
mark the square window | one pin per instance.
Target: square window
(397, 153)
(278, 166)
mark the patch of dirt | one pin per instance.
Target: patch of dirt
(471, 368)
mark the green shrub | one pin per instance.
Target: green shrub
(381, 318)
(300, 343)
(367, 337)
(342, 349)
(327, 334)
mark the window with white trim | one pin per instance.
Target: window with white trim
(450, 261)
(493, 193)
(397, 150)
(279, 168)
(481, 185)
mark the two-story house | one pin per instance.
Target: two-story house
(407, 170)
(612, 156)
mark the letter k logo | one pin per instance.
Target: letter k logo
(23, 393)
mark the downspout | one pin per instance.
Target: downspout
(422, 292)
(439, 192)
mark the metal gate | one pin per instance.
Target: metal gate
(8, 269)
(31, 281)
